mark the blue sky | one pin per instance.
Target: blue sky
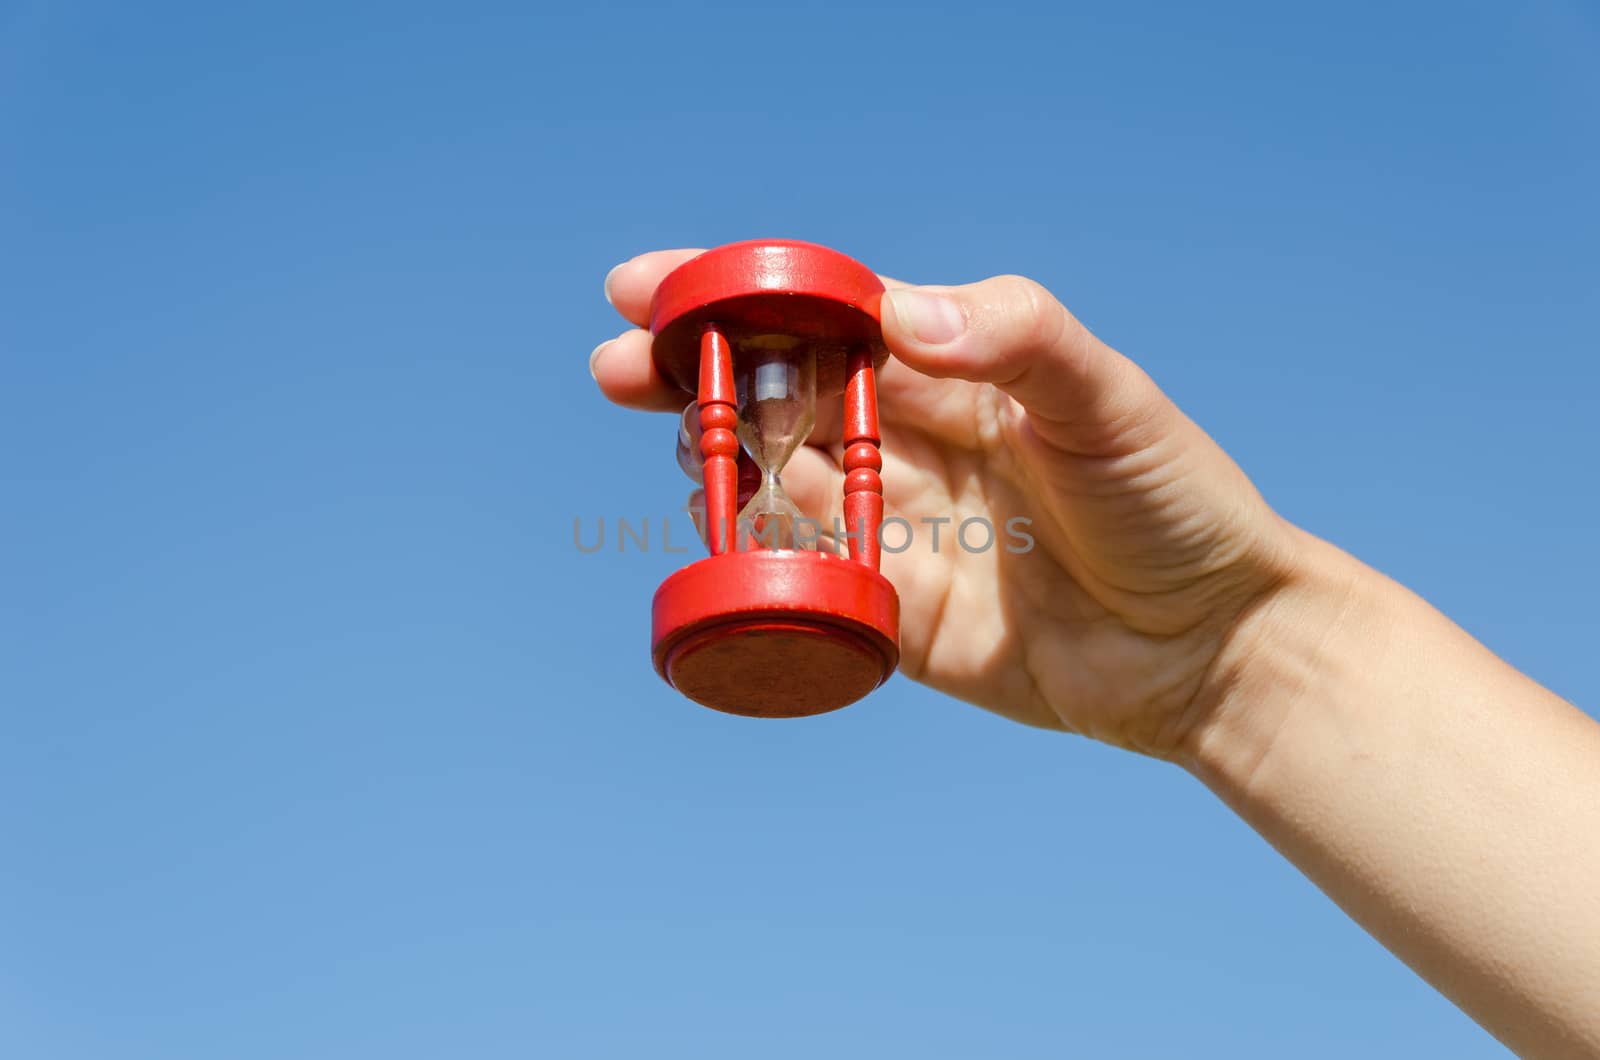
(322, 740)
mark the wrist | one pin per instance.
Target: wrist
(1284, 653)
(1427, 787)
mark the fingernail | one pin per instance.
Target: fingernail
(931, 318)
(594, 358)
(614, 270)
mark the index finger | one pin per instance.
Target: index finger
(631, 285)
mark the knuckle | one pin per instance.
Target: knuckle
(1035, 319)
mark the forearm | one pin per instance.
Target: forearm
(1449, 804)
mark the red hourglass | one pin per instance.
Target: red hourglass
(768, 626)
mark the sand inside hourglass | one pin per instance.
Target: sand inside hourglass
(777, 409)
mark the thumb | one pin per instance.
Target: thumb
(1009, 331)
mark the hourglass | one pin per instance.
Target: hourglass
(771, 624)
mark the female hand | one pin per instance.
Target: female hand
(1149, 549)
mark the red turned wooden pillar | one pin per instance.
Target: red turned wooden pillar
(863, 485)
(719, 445)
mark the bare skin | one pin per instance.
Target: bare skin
(1448, 803)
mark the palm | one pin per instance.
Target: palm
(1075, 632)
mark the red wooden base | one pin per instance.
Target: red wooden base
(776, 634)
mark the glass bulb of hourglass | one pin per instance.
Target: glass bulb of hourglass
(689, 457)
(777, 390)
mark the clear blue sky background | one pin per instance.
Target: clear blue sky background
(321, 739)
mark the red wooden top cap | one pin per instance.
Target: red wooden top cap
(767, 288)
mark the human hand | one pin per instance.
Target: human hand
(1150, 545)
